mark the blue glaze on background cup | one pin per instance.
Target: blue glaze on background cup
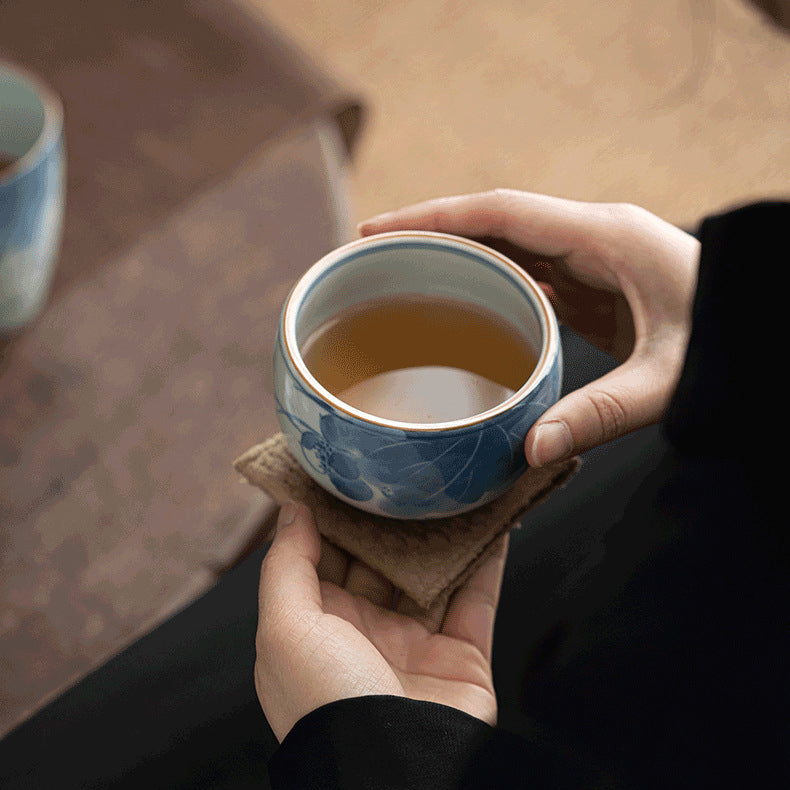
(405, 470)
(32, 193)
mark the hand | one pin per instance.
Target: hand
(620, 276)
(326, 631)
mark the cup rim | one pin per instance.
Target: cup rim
(50, 129)
(548, 321)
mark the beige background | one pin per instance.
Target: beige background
(682, 106)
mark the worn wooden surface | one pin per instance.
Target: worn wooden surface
(680, 106)
(163, 100)
(124, 405)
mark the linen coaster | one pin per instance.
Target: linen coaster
(426, 559)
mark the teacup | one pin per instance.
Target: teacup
(402, 469)
(32, 190)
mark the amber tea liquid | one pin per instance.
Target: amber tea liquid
(419, 359)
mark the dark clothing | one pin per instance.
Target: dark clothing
(639, 638)
(666, 664)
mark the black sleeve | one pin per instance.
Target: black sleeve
(391, 743)
(738, 348)
(671, 671)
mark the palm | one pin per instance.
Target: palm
(405, 657)
(329, 630)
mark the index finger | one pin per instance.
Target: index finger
(471, 612)
(543, 224)
(289, 576)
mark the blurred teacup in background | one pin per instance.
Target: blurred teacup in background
(32, 193)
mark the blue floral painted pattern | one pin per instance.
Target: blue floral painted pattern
(411, 474)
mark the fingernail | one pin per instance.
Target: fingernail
(552, 442)
(287, 514)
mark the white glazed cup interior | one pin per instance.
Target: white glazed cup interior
(424, 263)
(31, 116)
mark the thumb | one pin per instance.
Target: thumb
(289, 579)
(631, 396)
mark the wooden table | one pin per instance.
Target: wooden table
(205, 174)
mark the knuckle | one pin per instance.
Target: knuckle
(628, 219)
(504, 194)
(622, 213)
(619, 224)
(439, 218)
(505, 200)
(502, 205)
(612, 414)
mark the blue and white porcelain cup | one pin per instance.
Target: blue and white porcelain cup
(32, 193)
(400, 469)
